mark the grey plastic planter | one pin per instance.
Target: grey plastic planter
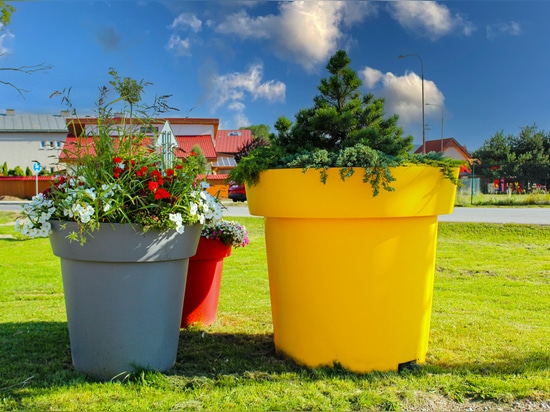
(124, 296)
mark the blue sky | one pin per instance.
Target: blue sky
(486, 63)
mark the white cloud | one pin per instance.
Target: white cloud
(429, 19)
(511, 28)
(306, 32)
(4, 38)
(234, 89)
(371, 77)
(234, 86)
(185, 21)
(179, 46)
(403, 95)
(239, 118)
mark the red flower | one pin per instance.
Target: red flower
(162, 194)
(153, 186)
(117, 171)
(117, 159)
(193, 153)
(170, 172)
(156, 174)
(179, 167)
(142, 171)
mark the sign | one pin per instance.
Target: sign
(167, 142)
(36, 167)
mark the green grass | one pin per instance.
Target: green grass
(489, 337)
(523, 200)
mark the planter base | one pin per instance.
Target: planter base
(123, 294)
(351, 275)
(363, 300)
(204, 278)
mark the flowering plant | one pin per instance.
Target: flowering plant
(119, 176)
(230, 233)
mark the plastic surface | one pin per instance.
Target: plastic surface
(353, 284)
(202, 291)
(124, 315)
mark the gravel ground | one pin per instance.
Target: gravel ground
(441, 403)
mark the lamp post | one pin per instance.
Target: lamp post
(422, 72)
(441, 107)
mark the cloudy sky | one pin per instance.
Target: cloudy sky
(486, 63)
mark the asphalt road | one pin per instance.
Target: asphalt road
(535, 215)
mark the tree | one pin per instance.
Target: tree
(200, 156)
(17, 171)
(341, 118)
(258, 131)
(525, 158)
(532, 152)
(246, 148)
(6, 11)
(495, 156)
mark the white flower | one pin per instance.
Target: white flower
(177, 219)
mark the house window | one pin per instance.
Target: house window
(148, 129)
(234, 134)
(58, 144)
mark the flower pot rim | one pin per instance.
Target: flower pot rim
(420, 190)
(109, 243)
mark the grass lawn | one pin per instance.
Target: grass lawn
(489, 342)
(524, 200)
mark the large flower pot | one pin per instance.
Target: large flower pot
(123, 294)
(351, 275)
(204, 276)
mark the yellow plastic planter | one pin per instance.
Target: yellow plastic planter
(351, 275)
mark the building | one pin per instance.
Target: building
(187, 133)
(228, 143)
(26, 138)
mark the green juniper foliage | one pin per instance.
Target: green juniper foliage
(343, 129)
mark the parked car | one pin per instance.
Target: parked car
(237, 193)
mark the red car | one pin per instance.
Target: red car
(237, 193)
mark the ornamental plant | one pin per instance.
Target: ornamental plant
(117, 174)
(343, 129)
(230, 233)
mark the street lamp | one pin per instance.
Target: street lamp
(422, 71)
(441, 107)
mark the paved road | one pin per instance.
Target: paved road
(460, 214)
(526, 215)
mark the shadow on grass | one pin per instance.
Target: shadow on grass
(37, 354)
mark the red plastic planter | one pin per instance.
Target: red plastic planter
(204, 276)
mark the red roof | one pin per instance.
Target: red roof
(436, 145)
(205, 143)
(230, 141)
(85, 144)
(186, 143)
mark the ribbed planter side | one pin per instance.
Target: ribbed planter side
(123, 295)
(202, 292)
(351, 275)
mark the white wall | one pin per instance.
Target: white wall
(20, 149)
